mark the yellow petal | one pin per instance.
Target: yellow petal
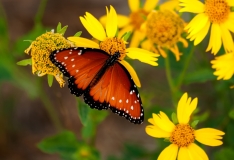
(200, 25)
(90, 27)
(28, 49)
(183, 154)
(197, 153)
(224, 66)
(229, 22)
(128, 28)
(162, 52)
(111, 23)
(227, 39)
(195, 21)
(193, 6)
(122, 20)
(209, 136)
(201, 34)
(156, 132)
(185, 108)
(169, 153)
(146, 45)
(150, 5)
(142, 55)
(151, 120)
(132, 72)
(83, 42)
(134, 5)
(163, 122)
(137, 37)
(215, 39)
(230, 2)
(175, 50)
(170, 5)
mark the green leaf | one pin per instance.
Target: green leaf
(229, 135)
(78, 34)
(224, 154)
(95, 117)
(50, 79)
(63, 30)
(89, 130)
(59, 26)
(68, 147)
(83, 111)
(174, 118)
(231, 114)
(194, 123)
(25, 62)
(64, 143)
(126, 35)
(199, 76)
(28, 41)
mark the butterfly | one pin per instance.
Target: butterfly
(101, 79)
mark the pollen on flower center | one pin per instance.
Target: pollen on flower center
(183, 135)
(40, 50)
(138, 17)
(217, 10)
(113, 45)
(164, 28)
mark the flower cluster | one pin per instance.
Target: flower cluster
(182, 135)
(154, 30)
(40, 50)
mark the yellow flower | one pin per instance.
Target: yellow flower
(40, 50)
(182, 135)
(214, 13)
(132, 23)
(170, 5)
(164, 29)
(111, 44)
(224, 66)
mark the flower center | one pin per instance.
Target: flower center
(183, 135)
(164, 28)
(40, 52)
(217, 10)
(113, 45)
(138, 17)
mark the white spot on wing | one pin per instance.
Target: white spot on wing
(126, 100)
(72, 59)
(113, 98)
(120, 100)
(79, 53)
(65, 57)
(131, 107)
(73, 65)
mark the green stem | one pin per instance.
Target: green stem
(40, 12)
(186, 65)
(50, 109)
(173, 89)
(168, 74)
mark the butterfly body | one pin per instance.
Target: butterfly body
(102, 80)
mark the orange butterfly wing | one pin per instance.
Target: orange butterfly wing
(117, 91)
(114, 89)
(80, 65)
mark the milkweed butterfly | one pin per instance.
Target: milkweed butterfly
(101, 79)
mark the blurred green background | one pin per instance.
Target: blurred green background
(31, 111)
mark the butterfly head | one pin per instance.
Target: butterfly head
(114, 45)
